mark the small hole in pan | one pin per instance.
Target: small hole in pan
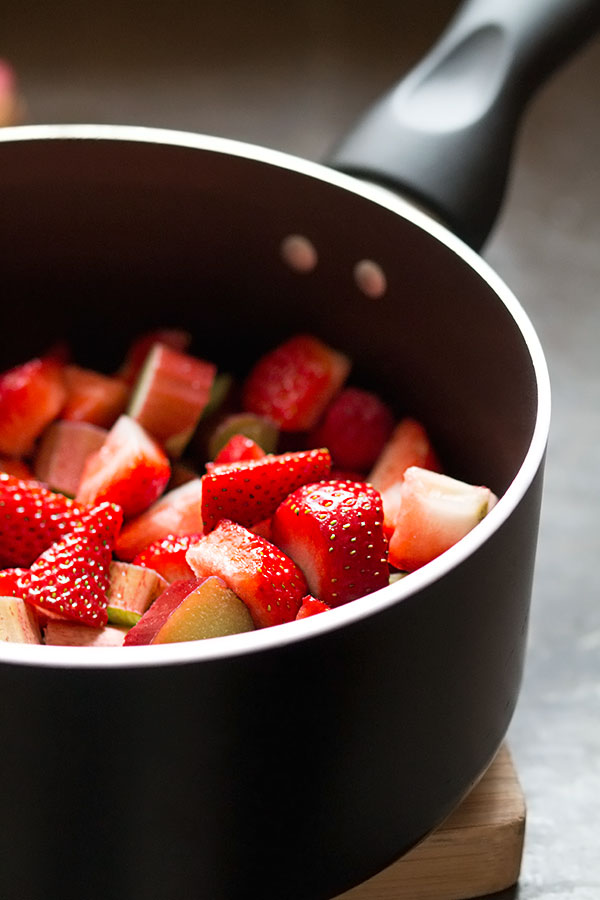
(370, 278)
(299, 253)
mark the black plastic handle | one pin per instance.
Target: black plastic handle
(444, 134)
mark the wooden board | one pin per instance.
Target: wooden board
(476, 851)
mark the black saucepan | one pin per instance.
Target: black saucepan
(296, 761)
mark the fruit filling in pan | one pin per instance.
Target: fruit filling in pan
(169, 501)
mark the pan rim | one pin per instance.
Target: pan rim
(278, 638)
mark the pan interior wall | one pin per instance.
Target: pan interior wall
(101, 241)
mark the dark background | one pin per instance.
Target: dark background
(294, 76)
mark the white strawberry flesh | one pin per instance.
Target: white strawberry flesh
(435, 512)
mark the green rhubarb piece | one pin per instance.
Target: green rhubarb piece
(126, 617)
(264, 432)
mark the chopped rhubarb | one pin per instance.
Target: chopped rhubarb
(190, 611)
(93, 397)
(68, 634)
(18, 623)
(176, 338)
(131, 590)
(170, 394)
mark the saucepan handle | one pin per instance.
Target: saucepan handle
(444, 134)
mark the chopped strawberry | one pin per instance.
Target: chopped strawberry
(70, 579)
(31, 396)
(293, 384)
(354, 428)
(93, 397)
(33, 518)
(15, 467)
(138, 352)
(177, 512)
(333, 531)
(12, 583)
(435, 512)
(250, 491)
(269, 583)
(129, 469)
(167, 556)
(310, 607)
(238, 448)
(409, 445)
(170, 395)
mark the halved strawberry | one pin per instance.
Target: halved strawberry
(93, 397)
(248, 492)
(354, 428)
(293, 384)
(70, 579)
(33, 518)
(310, 607)
(409, 445)
(167, 556)
(269, 582)
(31, 396)
(238, 448)
(138, 352)
(435, 512)
(170, 394)
(178, 512)
(129, 469)
(333, 531)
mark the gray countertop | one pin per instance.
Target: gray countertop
(294, 76)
